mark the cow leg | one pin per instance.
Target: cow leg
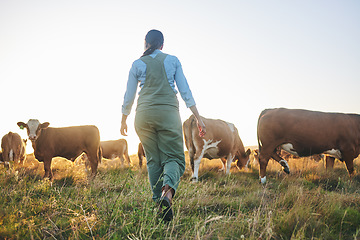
(141, 154)
(22, 160)
(349, 162)
(10, 160)
(5, 156)
(263, 162)
(229, 159)
(16, 160)
(282, 162)
(94, 166)
(122, 160)
(127, 158)
(7, 165)
(93, 160)
(195, 176)
(197, 161)
(223, 162)
(191, 156)
(140, 161)
(329, 162)
(47, 167)
(85, 158)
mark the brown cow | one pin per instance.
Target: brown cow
(221, 141)
(13, 149)
(67, 142)
(115, 148)
(305, 133)
(141, 154)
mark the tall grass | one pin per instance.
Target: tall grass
(310, 203)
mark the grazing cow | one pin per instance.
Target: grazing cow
(305, 133)
(115, 148)
(13, 148)
(141, 154)
(221, 141)
(67, 142)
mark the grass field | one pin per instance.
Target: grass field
(310, 203)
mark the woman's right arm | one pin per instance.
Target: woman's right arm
(130, 93)
(129, 98)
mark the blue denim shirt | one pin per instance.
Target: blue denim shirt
(174, 74)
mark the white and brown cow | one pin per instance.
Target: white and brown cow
(115, 148)
(67, 142)
(221, 141)
(13, 149)
(141, 154)
(306, 133)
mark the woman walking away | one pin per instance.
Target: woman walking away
(157, 119)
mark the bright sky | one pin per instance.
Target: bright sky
(67, 62)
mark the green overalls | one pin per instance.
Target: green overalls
(159, 127)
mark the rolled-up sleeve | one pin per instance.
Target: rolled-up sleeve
(130, 93)
(183, 86)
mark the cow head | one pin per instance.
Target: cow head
(243, 159)
(33, 127)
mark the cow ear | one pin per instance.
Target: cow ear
(44, 125)
(248, 151)
(21, 125)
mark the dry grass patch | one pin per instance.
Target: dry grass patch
(310, 203)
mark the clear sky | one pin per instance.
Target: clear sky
(67, 62)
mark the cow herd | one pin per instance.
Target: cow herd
(66, 142)
(298, 132)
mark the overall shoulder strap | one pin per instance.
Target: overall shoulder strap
(161, 56)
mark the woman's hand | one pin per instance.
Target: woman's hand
(201, 127)
(123, 128)
(200, 123)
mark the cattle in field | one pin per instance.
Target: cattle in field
(306, 133)
(221, 141)
(115, 148)
(66, 142)
(13, 149)
(141, 154)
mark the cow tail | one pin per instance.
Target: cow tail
(11, 152)
(258, 137)
(187, 126)
(99, 155)
(11, 155)
(126, 153)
